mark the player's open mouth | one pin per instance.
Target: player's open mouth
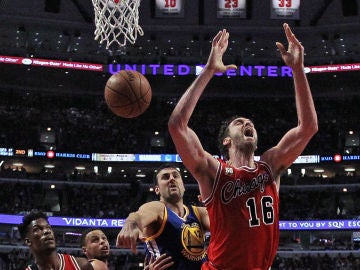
(173, 187)
(248, 132)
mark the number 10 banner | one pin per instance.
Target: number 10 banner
(169, 8)
(285, 9)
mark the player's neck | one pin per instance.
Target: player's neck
(48, 262)
(178, 208)
(241, 156)
(241, 160)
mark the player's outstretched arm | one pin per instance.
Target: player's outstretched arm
(140, 224)
(130, 232)
(295, 140)
(200, 163)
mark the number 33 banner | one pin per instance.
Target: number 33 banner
(231, 9)
(285, 9)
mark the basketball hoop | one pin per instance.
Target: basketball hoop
(117, 21)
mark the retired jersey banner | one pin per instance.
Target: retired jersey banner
(285, 9)
(169, 8)
(231, 9)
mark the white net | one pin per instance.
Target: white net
(117, 21)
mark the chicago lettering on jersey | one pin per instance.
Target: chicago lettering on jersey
(233, 189)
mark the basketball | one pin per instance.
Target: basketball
(128, 93)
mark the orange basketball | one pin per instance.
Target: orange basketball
(128, 93)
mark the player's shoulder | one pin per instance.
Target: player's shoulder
(201, 210)
(153, 206)
(99, 265)
(84, 264)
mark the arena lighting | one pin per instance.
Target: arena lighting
(349, 169)
(17, 164)
(337, 158)
(73, 233)
(50, 154)
(319, 170)
(49, 166)
(80, 168)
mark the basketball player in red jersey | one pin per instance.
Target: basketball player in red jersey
(39, 237)
(241, 194)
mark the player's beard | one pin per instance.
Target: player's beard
(245, 146)
(173, 197)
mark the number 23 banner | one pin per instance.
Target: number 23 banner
(231, 9)
(285, 9)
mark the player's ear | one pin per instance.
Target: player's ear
(226, 140)
(84, 250)
(27, 242)
(157, 190)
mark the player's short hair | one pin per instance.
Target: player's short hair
(164, 166)
(85, 233)
(27, 219)
(223, 133)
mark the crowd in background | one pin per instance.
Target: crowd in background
(17, 259)
(117, 201)
(84, 124)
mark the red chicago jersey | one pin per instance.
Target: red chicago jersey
(244, 216)
(67, 262)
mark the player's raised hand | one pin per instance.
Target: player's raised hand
(294, 55)
(218, 48)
